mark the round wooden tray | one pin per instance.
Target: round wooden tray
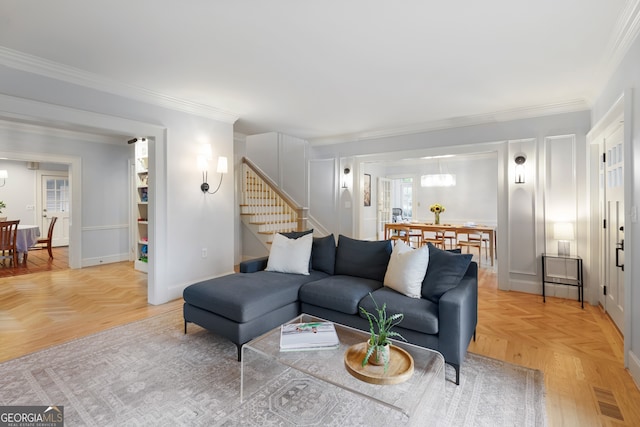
(400, 366)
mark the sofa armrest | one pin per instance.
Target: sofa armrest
(458, 317)
(253, 265)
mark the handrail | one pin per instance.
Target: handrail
(300, 211)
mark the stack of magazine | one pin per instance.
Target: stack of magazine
(308, 336)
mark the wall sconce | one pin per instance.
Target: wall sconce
(563, 232)
(203, 164)
(3, 176)
(344, 179)
(520, 172)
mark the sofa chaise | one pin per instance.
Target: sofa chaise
(339, 279)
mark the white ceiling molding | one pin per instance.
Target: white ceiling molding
(33, 64)
(623, 36)
(16, 126)
(626, 30)
(456, 122)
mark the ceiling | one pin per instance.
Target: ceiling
(331, 71)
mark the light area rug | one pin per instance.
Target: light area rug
(149, 373)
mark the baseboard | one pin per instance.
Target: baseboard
(525, 286)
(551, 289)
(108, 259)
(634, 368)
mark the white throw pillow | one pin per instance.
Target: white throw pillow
(290, 255)
(407, 268)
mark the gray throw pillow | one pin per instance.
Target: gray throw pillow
(362, 258)
(323, 254)
(444, 272)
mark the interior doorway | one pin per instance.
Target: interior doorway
(53, 199)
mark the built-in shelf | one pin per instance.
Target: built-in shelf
(142, 204)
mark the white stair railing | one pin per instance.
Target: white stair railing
(266, 205)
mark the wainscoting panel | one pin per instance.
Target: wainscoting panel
(105, 244)
(523, 253)
(560, 188)
(323, 187)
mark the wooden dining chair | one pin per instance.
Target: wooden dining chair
(401, 233)
(46, 242)
(449, 236)
(483, 238)
(8, 236)
(468, 242)
(435, 237)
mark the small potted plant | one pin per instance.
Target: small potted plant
(2, 206)
(380, 325)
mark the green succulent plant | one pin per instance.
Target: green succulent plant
(2, 206)
(380, 325)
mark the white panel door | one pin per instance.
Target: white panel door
(612, 290)
(55, 200)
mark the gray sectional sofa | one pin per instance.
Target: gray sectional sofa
(245, 305)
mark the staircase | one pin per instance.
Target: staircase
(264, 208)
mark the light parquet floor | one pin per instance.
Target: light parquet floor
(579, 351)
(43, 309)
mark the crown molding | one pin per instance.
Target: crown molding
(456, 122)
(16, 126)
(36, 65)
(625, 32)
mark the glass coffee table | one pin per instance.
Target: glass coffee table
(304, 386)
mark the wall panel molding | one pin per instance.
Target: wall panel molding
(560, 187)
(523, 247)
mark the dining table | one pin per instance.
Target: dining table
(390, 227)
(26, 237)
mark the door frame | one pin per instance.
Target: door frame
(622, 107)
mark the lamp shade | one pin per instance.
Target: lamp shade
(4, 174)
(222, 164)
(563, 231)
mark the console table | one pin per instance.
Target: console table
(571, 266)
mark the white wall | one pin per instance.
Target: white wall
(184, 220)
(19, 191)
(473, 198)
(519, 247)
(105, 193)
(626, 77)
(284, 159)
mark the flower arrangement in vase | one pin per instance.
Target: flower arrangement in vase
(380, 325)
(437, 209)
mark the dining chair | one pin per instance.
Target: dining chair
(46, 242)
(435, 237)
(401, 233)
(8, 236)
(483, 238)
(415, 237)
(449, 236)
(468, 242)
